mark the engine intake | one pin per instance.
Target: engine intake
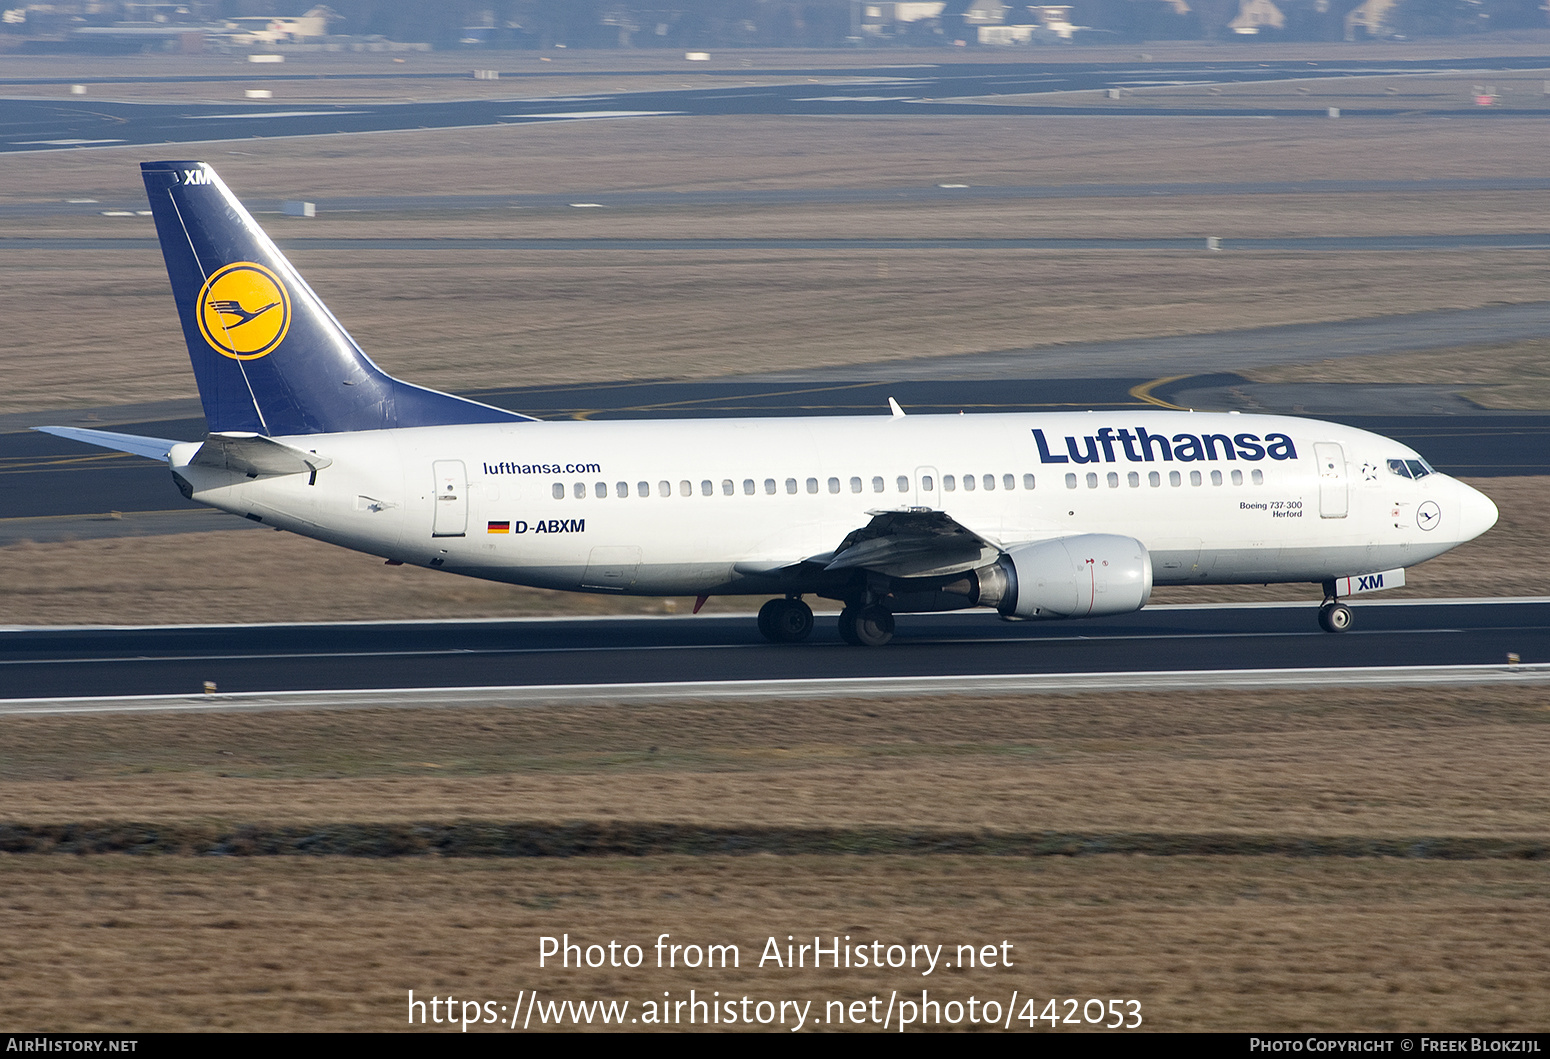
(1085, 576)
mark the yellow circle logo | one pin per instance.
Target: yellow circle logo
(244, 311)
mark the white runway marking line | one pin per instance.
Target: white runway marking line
(272, 114)
(579, 115)
(62, 143)
(850, 687)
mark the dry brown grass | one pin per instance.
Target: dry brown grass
(592, 315)
(123, 944)
(141, 943)
(1363, 763)
(452, 320)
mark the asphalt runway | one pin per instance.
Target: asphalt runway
(30, 124)
(42, 663)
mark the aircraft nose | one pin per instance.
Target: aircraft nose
(1477, 513)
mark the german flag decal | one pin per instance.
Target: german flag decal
(499, 527)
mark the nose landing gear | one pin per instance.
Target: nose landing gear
(1334, 616)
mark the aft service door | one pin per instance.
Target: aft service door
(1332, 480)
(451, 518)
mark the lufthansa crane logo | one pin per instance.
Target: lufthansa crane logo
(244, 311)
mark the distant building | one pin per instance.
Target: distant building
(1255, 16)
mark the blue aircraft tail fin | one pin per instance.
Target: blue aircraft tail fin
(268, 355)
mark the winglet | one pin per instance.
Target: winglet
(893, 406)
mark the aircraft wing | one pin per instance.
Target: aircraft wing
(134, 444)
(916, 543)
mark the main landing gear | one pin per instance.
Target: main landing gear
(868, 626)
(786, 620)
(1334, 616)
(790, 620)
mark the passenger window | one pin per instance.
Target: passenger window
(621, 489)
(877, 484)
(559, 490)
(949, 483)
(1027, 481)
(834, 485)
(903, 483)
(1134, 478)
(1237, 477)
(1258, 476)
(580, 489)
(1113, 479)
(1092, 480)
(769, 486)
(685, 488)
(707, 487)
(600, 490)
(642, 488)
(1009, 481)
(1070, 481)
(968, 483)
(1216, 477)
(927, 483)
(989, 481)
(748, 487)
(1153, 479)
(726, 487)
(791, 486)
(664, 488)
(1194, 477)
(812, 485)
(855, 485)
(1174, 479)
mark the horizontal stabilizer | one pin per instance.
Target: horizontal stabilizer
(255, 455)
(134, 444)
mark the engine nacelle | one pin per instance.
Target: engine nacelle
(1085, 576)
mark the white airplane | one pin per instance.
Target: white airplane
(1063, 515)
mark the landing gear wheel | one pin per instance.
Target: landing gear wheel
(785, 620)
(1335, 617)
(866, 626)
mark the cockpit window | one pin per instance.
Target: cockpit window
(1410, 468)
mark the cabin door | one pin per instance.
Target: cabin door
(1333, 501)
(451, 517)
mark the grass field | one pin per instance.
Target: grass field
(1218, 942)
(99, 327)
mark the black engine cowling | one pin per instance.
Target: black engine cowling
(1085, 576)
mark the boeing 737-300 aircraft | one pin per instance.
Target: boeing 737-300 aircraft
(1056, 515)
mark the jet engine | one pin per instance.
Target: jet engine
(1085, 576)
